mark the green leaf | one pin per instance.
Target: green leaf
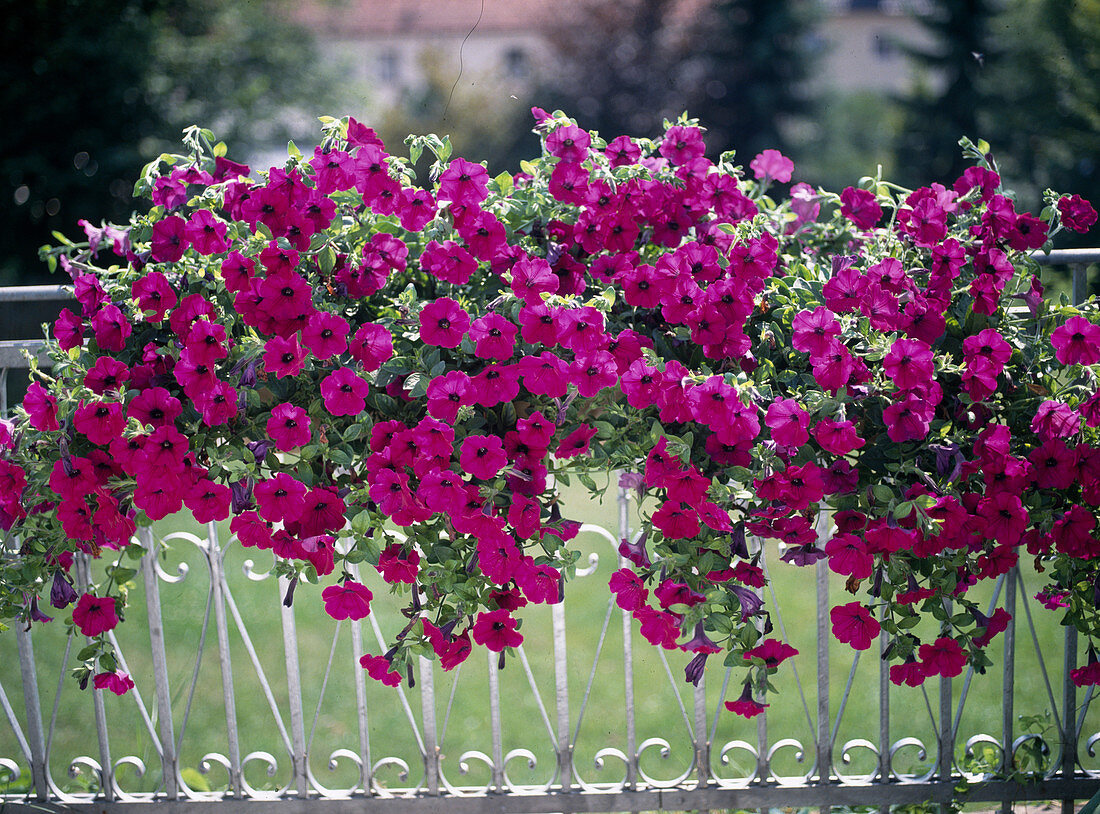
(504, 183)
(882, 493)
(327, 260)
(120, 574)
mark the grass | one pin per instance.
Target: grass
(465, 733)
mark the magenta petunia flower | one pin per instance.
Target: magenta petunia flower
(371, 345)
(326, 335)
(853, 624)
(772, 651)
(909, 362)
(169, 240)
(447, 393)
(209, 502)
(532, 277)
(118, 683)
(541, 584)
(676, 520)
(95, 615)
(496, 630)
(289, 427)
(622, 151)
(482, 456)
(99, 421)
(397, 565)
(348, 600)
(464, 183)
(280, 498)
(344, 392)
(545, 374)
(443, 322)
(1077, 214)
(575, 443)
(630, 594)
(218, 404)
(682, 144)
(788, 423)
(772, 165)
(911, 673)
(206, 233)
(111, 328)
(494, 337)
(41, 408)
(569, 143)
(943, 657)
(155, 295)
(860, 207)
(837, 437)
(746, 706)
(1076, 342)
(379, 668)
(814, 331)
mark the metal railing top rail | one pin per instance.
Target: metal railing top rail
(35, 293)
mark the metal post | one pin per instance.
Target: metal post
(431, 740)
(169, 761)
(35, 737)
(294, 687)
(1069, 716)
(824, 737)
(1009, 680)
(217, 585)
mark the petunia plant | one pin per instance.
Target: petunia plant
(334, 351)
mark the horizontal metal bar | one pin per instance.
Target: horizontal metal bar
(11, 353)
(1057, 257)
(754, 796)
(35, 293)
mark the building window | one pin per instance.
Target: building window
(515, 63)
(883, 46)
(389, 69)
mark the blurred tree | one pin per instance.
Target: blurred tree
(852, 135)
(622, 66)
(952, 98)
(483, 120)
(78, 114)
(753, 64)
(737, 65)
(1044, 113)
(95, 88)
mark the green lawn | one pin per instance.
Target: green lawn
(657, 700)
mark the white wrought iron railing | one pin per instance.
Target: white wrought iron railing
(224, 716)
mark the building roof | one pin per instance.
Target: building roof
(384, 18)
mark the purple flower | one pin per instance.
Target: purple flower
(259, 449)
(36, 614)
(635, 552)
(694, 670)
(738, 546)
(948, 459)
(803, 555)
(241, 495)
(750, 602)
(62, 593)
